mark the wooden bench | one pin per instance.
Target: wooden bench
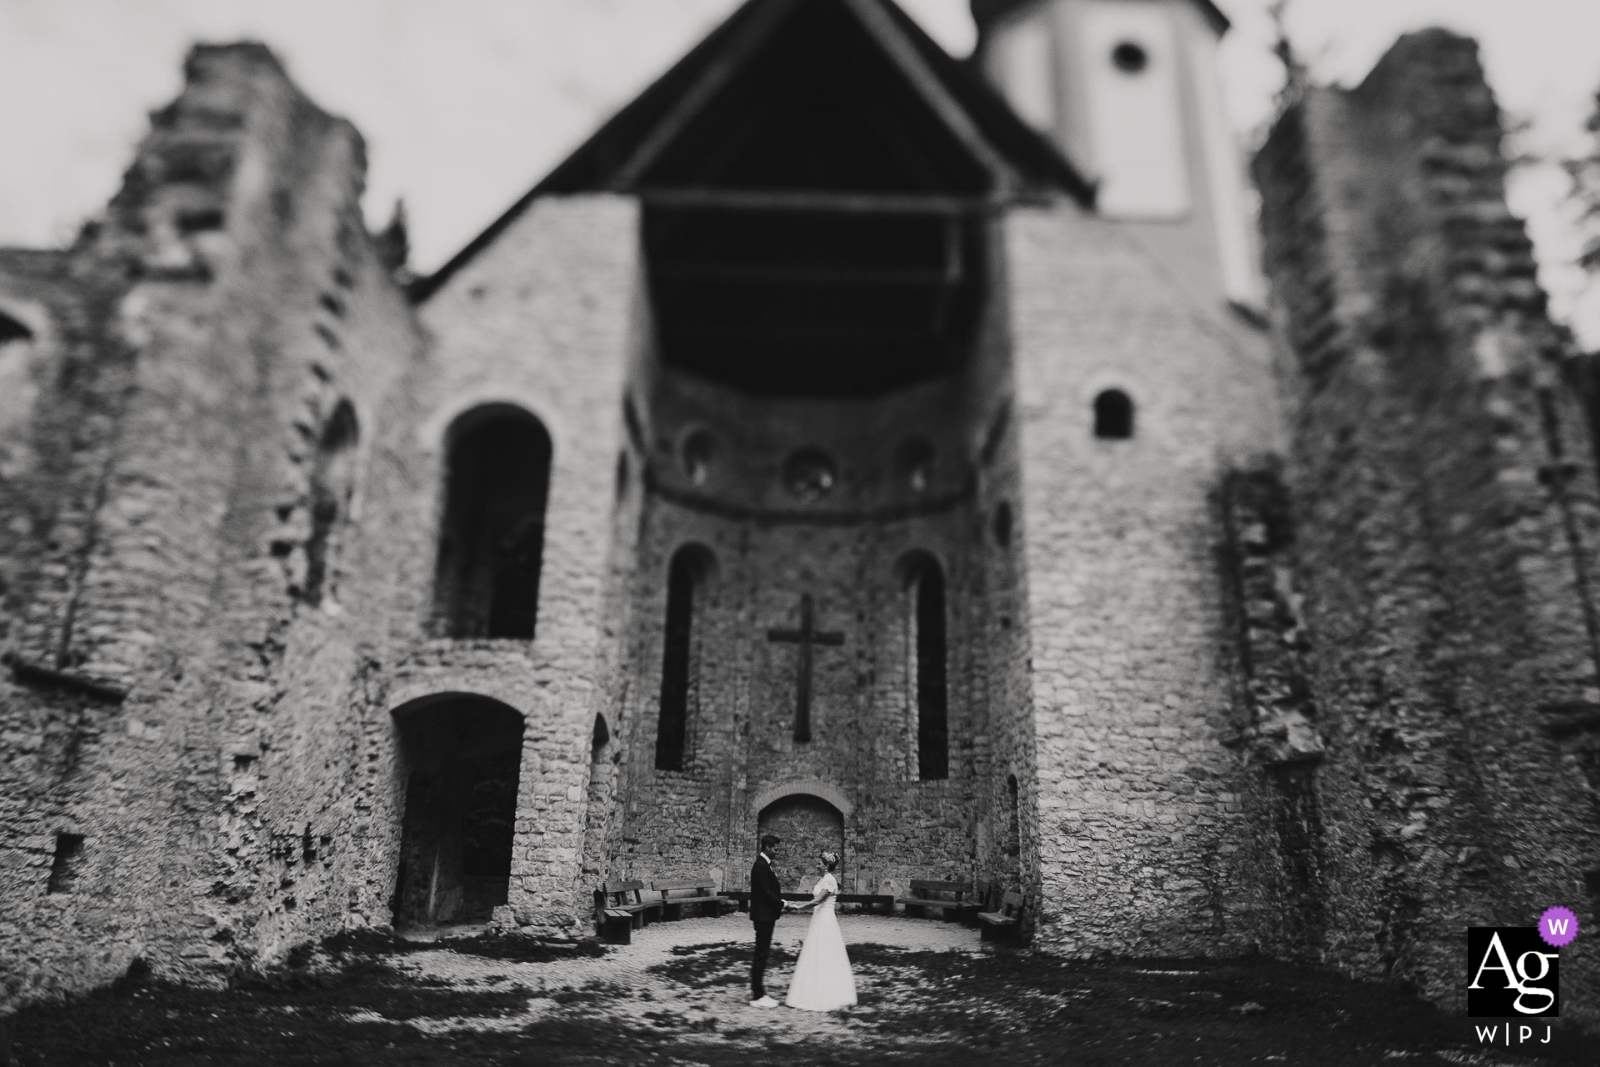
(677, 896)
(1006, 920)
(957, 899)
(628, 896)
(741, 899)
(614, 925)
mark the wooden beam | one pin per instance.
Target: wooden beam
(818, 202)
(767, 274)
(716, 75)
(761, 335)
(955, 118)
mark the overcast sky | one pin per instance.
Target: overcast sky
(466, 103)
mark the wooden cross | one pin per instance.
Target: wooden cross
(805, 637)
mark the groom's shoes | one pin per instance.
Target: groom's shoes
(764, 1002)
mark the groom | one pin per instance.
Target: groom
(766, 904)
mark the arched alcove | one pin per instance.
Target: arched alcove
(603, 757)
(332, 489)
(461, 756)
(808, 825)
(491, 542)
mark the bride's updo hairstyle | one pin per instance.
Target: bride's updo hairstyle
(830, 860)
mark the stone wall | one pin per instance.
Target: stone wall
(1141, 825)
(163, 601)
(1444, 498)
(547, 318)
(850, 551)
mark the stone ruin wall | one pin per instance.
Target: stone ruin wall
(1444, 504)
(1143, 837)
(1249, 705)
(549, 318)
(224, 305)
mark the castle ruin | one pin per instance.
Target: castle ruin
(846, 440)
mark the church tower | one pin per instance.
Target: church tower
(1128, 90)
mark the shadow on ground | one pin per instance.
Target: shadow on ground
(347, 1004)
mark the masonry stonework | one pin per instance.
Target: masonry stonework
(1305, 664)
(1443, 507)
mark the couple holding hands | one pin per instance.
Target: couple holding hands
(822, 978)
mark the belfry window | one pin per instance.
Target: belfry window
(686, 577)
(491, 543)
(930, 682)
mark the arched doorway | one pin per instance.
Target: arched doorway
(462, 756)
(808, 825)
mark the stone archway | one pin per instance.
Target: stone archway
(808, 825)
(462, 757)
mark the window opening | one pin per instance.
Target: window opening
(492, 542)
(1113, 415)
(67, 863)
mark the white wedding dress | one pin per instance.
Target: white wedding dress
(823, 980)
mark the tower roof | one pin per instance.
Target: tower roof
(835, 96)
(986, 12)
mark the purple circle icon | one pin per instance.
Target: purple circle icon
(1558, 926)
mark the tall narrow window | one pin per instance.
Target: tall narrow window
(332, 486)
(1013, 820)
(932, 686)
(684, 579)
(492, 540)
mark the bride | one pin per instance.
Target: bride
(822, 977)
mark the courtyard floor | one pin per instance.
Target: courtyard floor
(930, 994)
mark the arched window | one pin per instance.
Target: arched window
(1013, 820)
(16, 390)
(598, 742)
(1113, 415)
(12, 330)
(685, 579)
(492, 540)
(928, 675)
(332, 486)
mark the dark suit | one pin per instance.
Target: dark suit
(766, 904)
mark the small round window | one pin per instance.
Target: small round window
(1130, 57)
(809, 474)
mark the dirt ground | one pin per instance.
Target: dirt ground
(930, 995)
